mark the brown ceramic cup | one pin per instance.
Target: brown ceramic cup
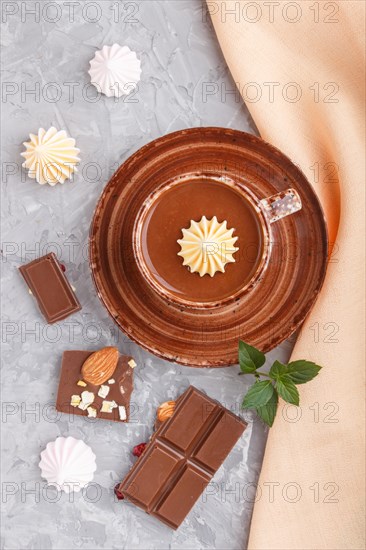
(266, 212)
(281, 296)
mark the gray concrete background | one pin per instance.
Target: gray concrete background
(185, 83)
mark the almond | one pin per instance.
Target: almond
(165, 410)
(100, 366)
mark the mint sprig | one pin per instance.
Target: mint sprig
(250, 358)
(268, 411)
(281, 381)
(302, 371)
(258, 395)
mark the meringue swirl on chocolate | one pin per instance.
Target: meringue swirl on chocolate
(207, 246)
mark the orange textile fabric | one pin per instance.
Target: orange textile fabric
(300, 69)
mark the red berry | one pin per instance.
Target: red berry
(63, 267)
(139, 449)
(118, 493)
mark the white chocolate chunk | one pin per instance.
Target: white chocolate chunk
(108, 406)
(122, 412)
(75, 400)
(132, 363)
(87, 398)
(103, 391)
(81, 383)
(92, 412)
(111, 381)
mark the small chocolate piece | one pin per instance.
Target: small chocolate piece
(117, 390)
(52, 290)
(182, 457)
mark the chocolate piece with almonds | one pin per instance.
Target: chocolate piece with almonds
(94, 398)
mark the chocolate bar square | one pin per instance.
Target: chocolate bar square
(47, 282)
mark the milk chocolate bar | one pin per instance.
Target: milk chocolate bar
(182, 457)
(52, 290)
(110, 401)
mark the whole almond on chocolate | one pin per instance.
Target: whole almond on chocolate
(165, 410)
(100, 366)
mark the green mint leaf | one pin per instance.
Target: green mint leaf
(247, 368)
(277, 370)
(287, 389)
(268, 411)
(258, 395)
(302, 371)
(250, 358)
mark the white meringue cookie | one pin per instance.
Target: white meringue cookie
(115, 70)
(207, 246)
(68, 464)
(51, 156)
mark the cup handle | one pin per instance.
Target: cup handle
(281, 205)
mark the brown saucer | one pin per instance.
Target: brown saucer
(276, 303)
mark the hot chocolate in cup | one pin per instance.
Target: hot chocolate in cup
(174, 205)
